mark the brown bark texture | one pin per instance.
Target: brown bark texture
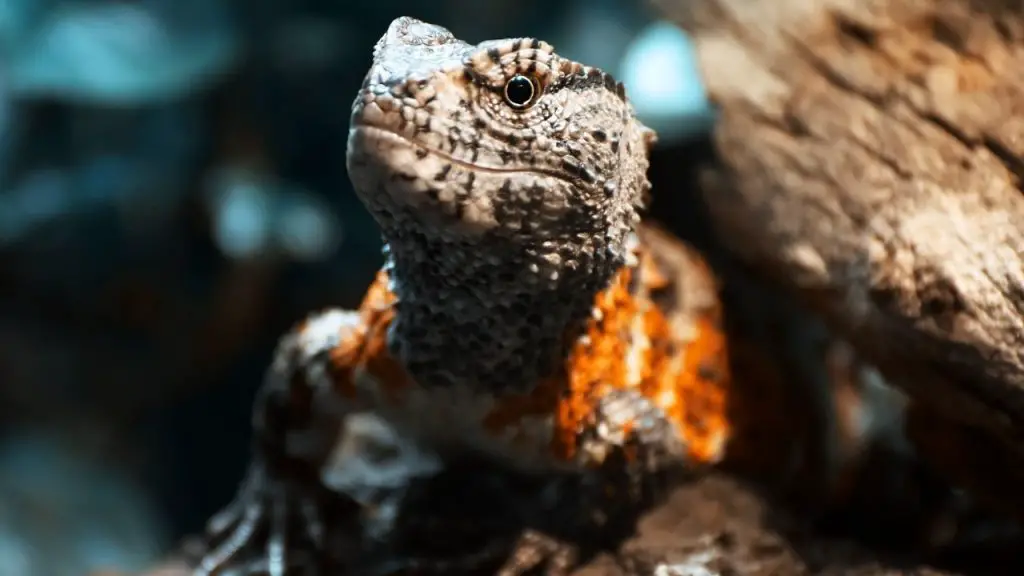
(871, 156)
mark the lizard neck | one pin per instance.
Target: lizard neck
(503, 319)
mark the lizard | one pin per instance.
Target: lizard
(524, 311)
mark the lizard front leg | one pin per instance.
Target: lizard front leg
(282, 505)
(645, 398)
(627, 444)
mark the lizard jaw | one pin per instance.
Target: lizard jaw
(403, 182)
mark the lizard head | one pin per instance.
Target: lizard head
(503, 144)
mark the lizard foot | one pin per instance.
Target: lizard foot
(631, 445)
(628, 446)
(273, 527)
(276, 524)
(535, 550)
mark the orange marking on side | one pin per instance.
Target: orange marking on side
(343, 360)
(542, 401)
(686, 375)
(695, 395)
(370, 353)
(597, 362)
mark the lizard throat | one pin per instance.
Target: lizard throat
(485, 316)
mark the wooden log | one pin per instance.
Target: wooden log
(871, 155)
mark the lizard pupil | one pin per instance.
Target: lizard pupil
(519, 91)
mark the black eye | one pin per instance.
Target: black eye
(520, 91)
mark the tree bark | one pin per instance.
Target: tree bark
(870, 157)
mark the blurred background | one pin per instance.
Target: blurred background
(172, 197)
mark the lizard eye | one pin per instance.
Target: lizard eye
(520, 91)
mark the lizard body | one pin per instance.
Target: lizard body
(518, 295)
(669, 372)
(523, 311)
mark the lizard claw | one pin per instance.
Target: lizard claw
(284, 518)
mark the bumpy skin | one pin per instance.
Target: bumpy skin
(523, 313)
(649, 361)
(502, 223)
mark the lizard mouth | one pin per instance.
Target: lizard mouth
(389, 134)
(393, 136)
